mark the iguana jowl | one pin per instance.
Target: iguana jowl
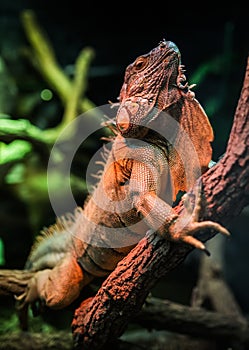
(131, 196)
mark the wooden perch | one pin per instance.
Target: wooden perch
(14, 282)
(226, 189)
(162, 314)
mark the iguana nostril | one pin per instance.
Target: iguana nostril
(173, 46)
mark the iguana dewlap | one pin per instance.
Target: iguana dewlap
(141, 178)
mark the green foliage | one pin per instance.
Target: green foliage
(2, 260)
(14, 151)
(21, 128)
(10, 323)
(217, 66)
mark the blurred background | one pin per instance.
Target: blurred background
(45, 46)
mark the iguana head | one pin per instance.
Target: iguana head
(147, 83)
(155, 83)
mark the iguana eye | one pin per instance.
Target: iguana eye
(140, 63)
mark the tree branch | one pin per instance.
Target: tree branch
(14, 281)
(164, 315)
(226, 189)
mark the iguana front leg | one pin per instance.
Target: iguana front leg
(162, 218)
(187, 224)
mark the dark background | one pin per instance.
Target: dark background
(212, 41)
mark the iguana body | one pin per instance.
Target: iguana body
(140, 180)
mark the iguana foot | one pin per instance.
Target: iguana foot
(29, 298)
(187, 224)
(31, 294)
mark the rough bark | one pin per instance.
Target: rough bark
(226, 189)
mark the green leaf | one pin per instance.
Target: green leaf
(14, 151)
(16, 175)
(21, 127)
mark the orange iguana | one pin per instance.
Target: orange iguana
(142, 175)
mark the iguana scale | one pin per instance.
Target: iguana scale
(142, 175)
